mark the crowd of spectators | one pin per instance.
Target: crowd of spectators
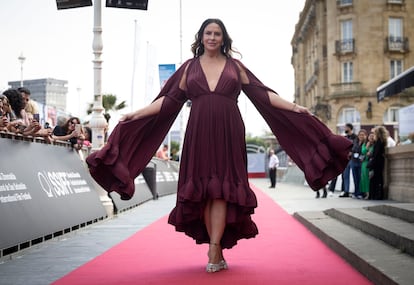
(366, 163)
(19, 116)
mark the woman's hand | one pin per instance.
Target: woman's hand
(129, 116)
(300, 109)
(74, 134)
(152, 109)
(4, 121)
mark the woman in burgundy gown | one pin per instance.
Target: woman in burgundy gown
(214, 200)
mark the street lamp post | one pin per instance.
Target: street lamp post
(21, 58)
(98, 122)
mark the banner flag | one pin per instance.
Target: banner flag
(165, 71)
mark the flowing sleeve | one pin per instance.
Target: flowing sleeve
(319, 153)
(133, 143)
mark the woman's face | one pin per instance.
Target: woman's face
(212, 37)
(72, 123)
(6, 105)
(362, 136)
(371, 137)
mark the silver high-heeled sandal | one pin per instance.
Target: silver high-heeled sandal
(216, 267)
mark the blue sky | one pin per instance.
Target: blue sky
(58, 44)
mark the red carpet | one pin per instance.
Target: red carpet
(284, 252)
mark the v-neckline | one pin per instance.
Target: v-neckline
(205, 76)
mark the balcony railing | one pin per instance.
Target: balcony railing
(345, 46)
(399, 44)
(346, 89)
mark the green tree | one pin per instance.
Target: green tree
(255, 140)
(109, 104)
(175, 147)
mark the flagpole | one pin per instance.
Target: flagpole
(183, 113)
(134, 63)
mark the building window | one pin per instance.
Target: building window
(395, 1)
(396, 67)
(342, 3)
(395, 29)
(347, 72)
(346, 30)
(395, 39)
(348, 115)
(391, 116)
(346, 44)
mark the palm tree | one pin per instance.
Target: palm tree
(109, 104)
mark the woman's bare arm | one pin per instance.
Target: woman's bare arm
(151, 109)
(275, 99)
(281, 103)
(155, 107)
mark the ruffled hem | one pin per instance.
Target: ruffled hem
(329, 159)
(188, 215)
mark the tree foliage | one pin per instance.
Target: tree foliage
(256, 141)
(109, 103)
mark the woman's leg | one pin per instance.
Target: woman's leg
(215, 219)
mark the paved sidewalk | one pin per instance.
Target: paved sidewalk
(297, 198)
(46, 262)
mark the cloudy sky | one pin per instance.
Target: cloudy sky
(58, 44)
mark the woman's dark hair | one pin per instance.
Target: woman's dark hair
(15, 100)
(198, 48)
(65, 127)
(89, 131)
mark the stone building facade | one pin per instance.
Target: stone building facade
(47, 91)
(343, 50)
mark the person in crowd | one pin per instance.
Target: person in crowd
(356, 161)
(88, 136)
(69, 132)
(273, 165)
(30, 105)
(214, 200)
(19, 120)
(162, 153)
(390, 141)
(349, 134)
(4, 120)
(376, 164)
(332, 185)
(409, 140)
(324, 194)
(366, 152)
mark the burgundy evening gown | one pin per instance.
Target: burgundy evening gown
(214, 161)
